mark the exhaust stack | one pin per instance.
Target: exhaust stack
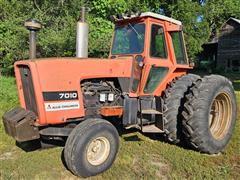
(82, 35)
(33, 26)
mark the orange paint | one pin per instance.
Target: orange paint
(66, 74)
(111, 111)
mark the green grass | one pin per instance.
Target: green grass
(139, 157)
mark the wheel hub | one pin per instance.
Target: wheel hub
(220, 116)
(98, 151)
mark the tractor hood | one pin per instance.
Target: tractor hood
(35, 78)
(61, 73)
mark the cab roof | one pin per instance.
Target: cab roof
(123, 17)
(161, 17)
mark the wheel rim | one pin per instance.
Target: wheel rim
(220, 116)
(98, 151)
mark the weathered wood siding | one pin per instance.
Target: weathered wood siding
(229, 46)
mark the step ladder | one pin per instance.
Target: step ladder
(155, 122)
(150, 111)
(151, 129)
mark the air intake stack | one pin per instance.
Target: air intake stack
(82, 35)
(33, 26)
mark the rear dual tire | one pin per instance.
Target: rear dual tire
(209, 114)
(200, 112)
(173, 101)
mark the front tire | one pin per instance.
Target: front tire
(210, 114)
(91, 147)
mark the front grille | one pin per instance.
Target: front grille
(28, 89)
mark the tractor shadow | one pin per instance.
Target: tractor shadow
(63, 160)
(133, 137)
(159, 137)
(35, 145)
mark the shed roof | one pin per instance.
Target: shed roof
(215, 38)
(234, 19)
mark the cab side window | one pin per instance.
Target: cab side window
(179, 50)
(158, 43)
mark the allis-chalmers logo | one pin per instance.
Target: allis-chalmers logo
(62, 106)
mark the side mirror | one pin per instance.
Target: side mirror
(140, 60)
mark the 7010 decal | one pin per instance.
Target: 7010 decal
(68, 95)
(60, 95)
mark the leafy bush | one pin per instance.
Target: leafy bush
(57, 38)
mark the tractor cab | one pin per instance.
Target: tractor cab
(156, 44)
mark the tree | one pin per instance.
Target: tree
(196, 30)
(201, 18)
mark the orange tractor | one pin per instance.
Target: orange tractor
(143, 84)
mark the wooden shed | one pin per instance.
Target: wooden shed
(228, 51)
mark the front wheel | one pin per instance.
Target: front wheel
(91, 147)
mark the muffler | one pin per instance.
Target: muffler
(82, 35)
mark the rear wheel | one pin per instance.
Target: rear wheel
(91, 147)
(174, 99)
(210, 114)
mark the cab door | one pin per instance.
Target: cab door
(159, 63)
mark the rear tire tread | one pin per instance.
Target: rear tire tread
(194, 128)
(174, 97)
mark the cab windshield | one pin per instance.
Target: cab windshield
(129, 39)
